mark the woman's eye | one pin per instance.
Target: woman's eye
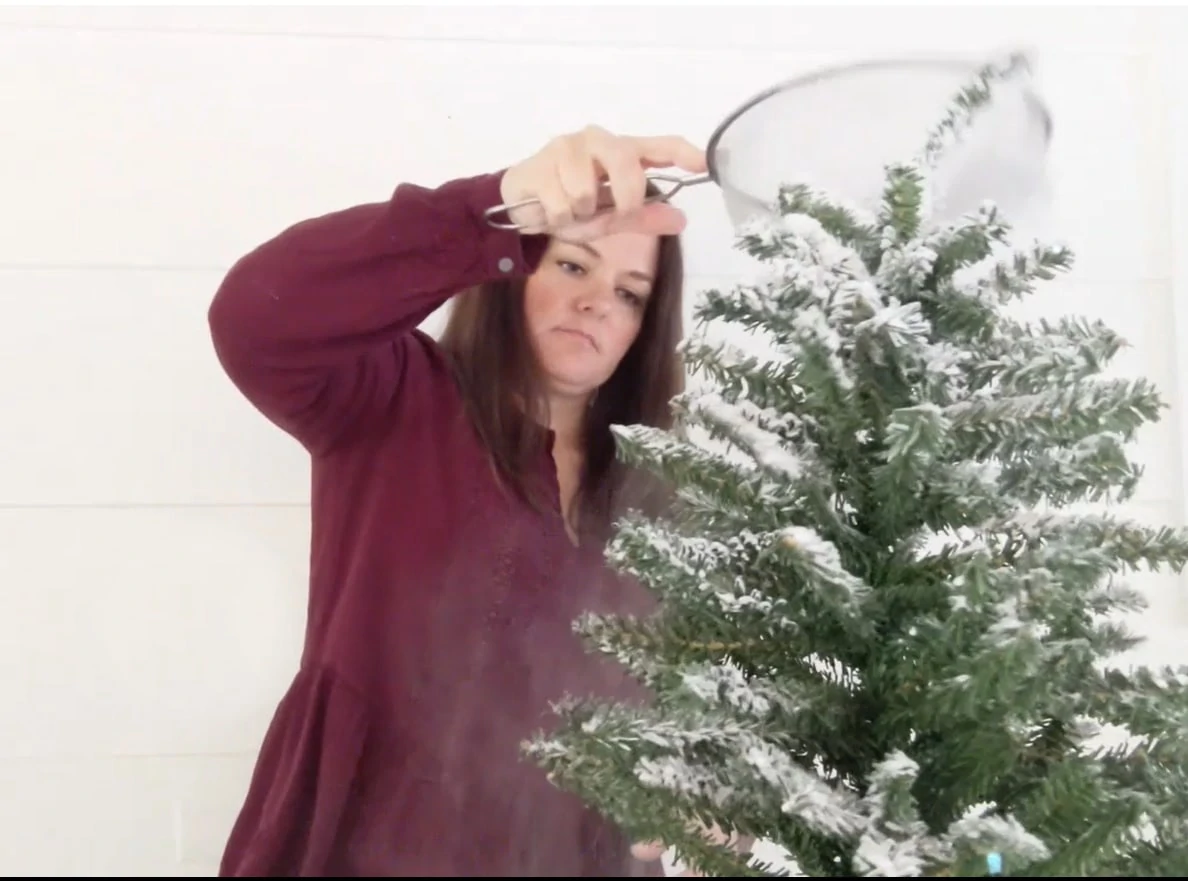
(570, 267)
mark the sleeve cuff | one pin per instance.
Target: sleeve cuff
(505, 252)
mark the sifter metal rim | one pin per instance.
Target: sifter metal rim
(958, 65)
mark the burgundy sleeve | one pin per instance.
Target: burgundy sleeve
(313, 326)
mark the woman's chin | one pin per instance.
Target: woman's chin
(572, 383)
(576, 373)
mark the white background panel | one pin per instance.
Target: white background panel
(103, 816)
(147, 631)
(864, 30)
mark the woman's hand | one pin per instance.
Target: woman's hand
(571, 174)
(650, 851)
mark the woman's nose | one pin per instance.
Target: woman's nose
(596, 297)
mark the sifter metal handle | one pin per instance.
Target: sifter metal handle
(678, 183)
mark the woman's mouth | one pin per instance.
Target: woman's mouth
(580, 335)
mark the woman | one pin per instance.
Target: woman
(462, 491)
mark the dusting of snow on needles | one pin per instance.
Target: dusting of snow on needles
(755, 429)
(725, 683)
(822, 557)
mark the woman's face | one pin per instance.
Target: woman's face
(584, 307)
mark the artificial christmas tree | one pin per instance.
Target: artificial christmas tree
(884, 629)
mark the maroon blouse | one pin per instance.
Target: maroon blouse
(440, 610)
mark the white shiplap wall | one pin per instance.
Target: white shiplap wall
(153, 528)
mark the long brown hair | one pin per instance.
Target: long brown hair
(487, 343)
